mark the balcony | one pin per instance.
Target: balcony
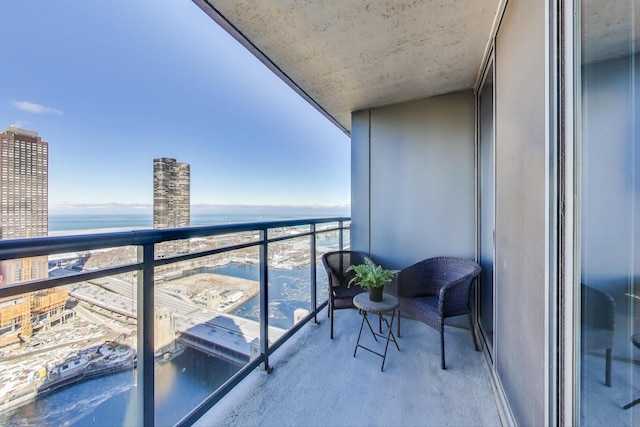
(137, 296)
(317, 381)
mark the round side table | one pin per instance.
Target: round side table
(388, 304)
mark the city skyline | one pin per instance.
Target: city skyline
(152, 87)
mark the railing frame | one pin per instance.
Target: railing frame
(145, 240)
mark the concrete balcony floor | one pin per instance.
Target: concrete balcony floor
(316, 381)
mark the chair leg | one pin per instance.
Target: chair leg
(331, 314)
(631, 404)
(442, 347)
(398, 323)
(473, 335)
(609, 358)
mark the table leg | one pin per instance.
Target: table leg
(359, 334)
(389, 336)
(390, 325)
(366, 318)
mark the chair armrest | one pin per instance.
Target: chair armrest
(598, 308)
(454, 297)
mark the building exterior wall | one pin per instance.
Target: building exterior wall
(360, 180)
(413, 180)
(521, 210)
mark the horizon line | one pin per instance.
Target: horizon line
(198, 207)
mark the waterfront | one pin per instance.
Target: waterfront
(186, 380)
(106, 401)
(180, 383)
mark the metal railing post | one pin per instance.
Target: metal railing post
(340, 235)
(264, 298)
(145, 309)
(314, 290)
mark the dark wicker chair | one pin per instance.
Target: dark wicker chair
(340, 295)
(598, 322)
(437, 288)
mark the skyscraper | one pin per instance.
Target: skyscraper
(24, 213)
(171, 193)
(24, 193)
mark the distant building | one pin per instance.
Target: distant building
(24, 194)
(171, 193)
(24, 213)
(171, 199)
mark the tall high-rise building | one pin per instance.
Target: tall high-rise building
(24, 194)
(171, 201)
(24, 213)
(171, 193)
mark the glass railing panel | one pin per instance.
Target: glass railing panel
(327, 241)
(22, 270)
(68, 355)
(287, 231)
(172, 248)
(346, 239)
(322, 284)
(289, 283)
(200, 244)
(202, 337)
(108, 257)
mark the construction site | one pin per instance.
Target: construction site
(21, 315)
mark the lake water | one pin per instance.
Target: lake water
(83, 222)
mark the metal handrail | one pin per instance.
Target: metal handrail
(145, 240)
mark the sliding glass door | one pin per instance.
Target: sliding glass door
(608, 165)
(486, 207)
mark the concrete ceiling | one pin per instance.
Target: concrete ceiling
(347, 55)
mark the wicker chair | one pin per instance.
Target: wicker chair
(340, 295)
(598, 322)
(437, 288)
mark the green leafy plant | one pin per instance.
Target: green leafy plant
(370, 275)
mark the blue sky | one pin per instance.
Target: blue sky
(112, 85)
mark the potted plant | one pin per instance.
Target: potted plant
(371, 276)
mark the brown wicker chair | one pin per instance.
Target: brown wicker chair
(598, 322)
(437, 288)
(340, 295)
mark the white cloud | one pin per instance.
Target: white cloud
(32, 107)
